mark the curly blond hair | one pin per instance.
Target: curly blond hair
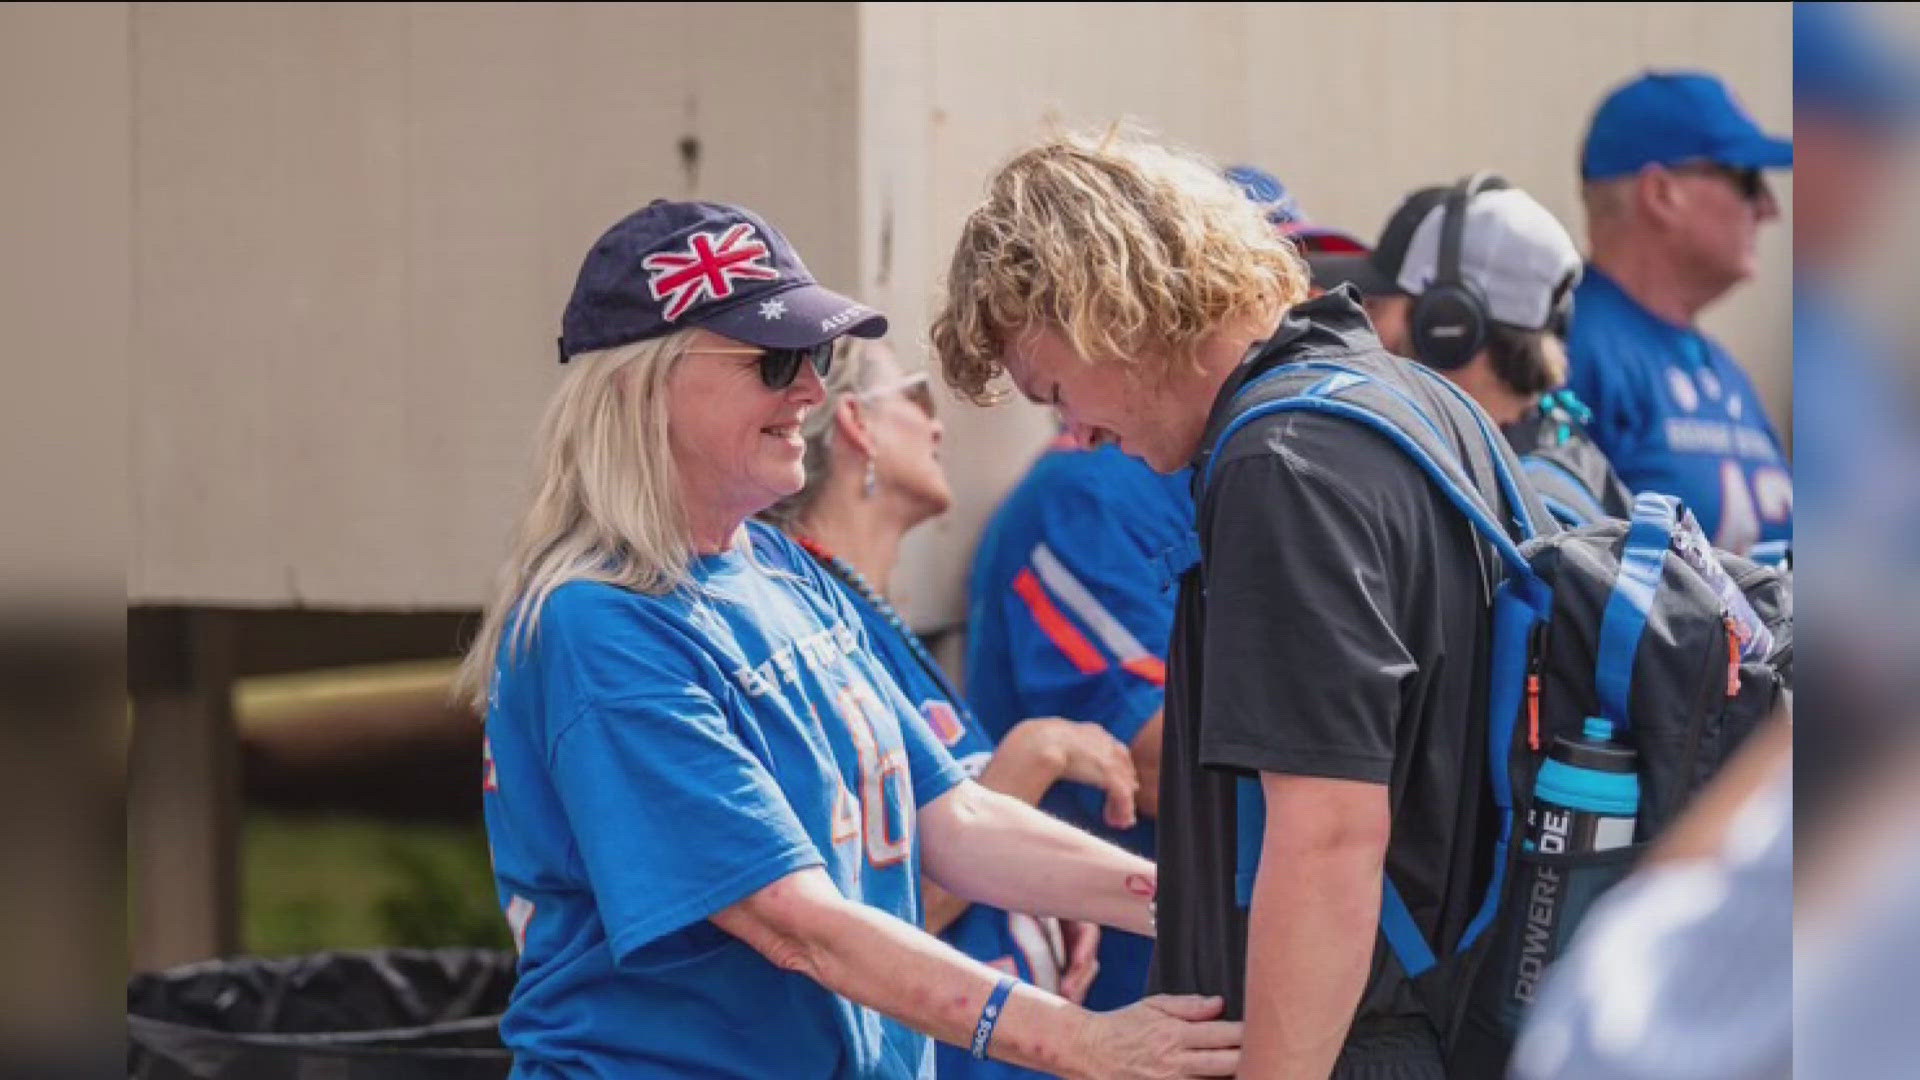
(1127, 247)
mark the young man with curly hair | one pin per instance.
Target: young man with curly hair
(1325, 715)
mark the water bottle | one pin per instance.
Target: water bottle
(1587, 796)
(1585, 800)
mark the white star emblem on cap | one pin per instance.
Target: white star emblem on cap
(773, 309)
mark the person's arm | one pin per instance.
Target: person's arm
(802, 923)
(1034, 756)
(1315, 915)
(1087, 619)
(1145, 750)
(996, 850)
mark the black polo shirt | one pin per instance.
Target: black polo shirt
(1337, 626)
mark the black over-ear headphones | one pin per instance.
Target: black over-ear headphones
(1449, 322)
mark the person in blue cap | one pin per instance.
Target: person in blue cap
(1675, 188)
(708, 803)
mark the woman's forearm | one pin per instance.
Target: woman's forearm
(1025, 764)
(801, 923)
(992, 849)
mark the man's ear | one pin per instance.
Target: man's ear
(1659, 196)
(850, 419)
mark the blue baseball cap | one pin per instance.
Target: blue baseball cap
(1267, 192)
(671, 266)
(1671, 117)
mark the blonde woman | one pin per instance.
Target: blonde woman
(1326, 707)
(873, 475)
(709, 805)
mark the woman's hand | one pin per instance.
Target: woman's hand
(1082, 963)
(1160, 1038)
(1092, 756)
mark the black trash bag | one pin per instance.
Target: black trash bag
(396, 1014)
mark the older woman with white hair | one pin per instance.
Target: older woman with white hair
(709, 804)
(873, 476)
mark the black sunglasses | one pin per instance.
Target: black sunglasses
(779, 367)
(1750, 183)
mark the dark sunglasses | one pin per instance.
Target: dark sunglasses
(779, 367)
(1750, 183)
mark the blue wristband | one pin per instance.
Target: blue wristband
(990, 1016)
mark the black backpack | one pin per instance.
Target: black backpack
(1609, 620)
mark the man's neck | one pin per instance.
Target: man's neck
(863, 530)
(1219, 357)
(1654, 280)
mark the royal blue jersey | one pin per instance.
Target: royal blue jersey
(1070, 611)
(652, 760)
(1017, 944)
(1676, 414)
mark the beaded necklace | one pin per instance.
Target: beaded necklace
(856, 581)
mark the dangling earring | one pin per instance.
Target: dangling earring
(867, 485)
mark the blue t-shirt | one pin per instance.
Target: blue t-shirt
(651, 761)
(1017, 944)
(1070, 614)
(1676, 414)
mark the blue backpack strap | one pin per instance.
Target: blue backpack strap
(1496, 443)
(1583, 509)
(1403, 935)
(1250, 830)
(1655, 516)
(1463, 498)
(1520, 606)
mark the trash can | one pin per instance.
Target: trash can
(396, 1014)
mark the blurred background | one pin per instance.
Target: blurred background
(289, 275)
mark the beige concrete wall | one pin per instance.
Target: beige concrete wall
(355, 225)
(65, 299)
(356, 228)
(1352, 105)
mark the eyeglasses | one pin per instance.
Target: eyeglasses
(1750, 183)
(779, 367)
(917, 388)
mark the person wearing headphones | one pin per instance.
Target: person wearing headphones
(1475, 280)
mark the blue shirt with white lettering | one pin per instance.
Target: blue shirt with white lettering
(1017, 944)
(653, 760)
(1676, 414)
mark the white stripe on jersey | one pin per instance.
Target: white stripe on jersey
(1061, 582)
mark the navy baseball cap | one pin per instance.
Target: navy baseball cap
(671, 266)
(1672, 117)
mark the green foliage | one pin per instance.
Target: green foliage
(314, 884)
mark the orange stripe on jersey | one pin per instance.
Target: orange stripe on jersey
(1055, 625)
(1149, 668)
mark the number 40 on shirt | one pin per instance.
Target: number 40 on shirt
(877, 818)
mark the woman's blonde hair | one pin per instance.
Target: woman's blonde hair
(1124, 245)
(855, 370)
(607, 501)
